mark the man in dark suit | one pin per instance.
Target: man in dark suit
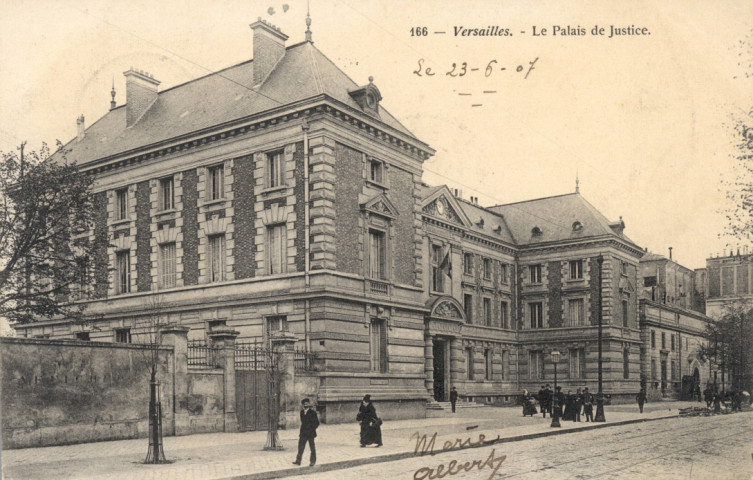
(453, 398)
(309, 424)
(543, 397)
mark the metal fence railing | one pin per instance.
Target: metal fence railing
(201, 355)
(304, 361)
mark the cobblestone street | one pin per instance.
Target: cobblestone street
(717, 447)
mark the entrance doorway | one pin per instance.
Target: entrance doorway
(439, 350)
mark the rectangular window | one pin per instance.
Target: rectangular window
(503, 273)
(576, 269)
(123, 272)
(215, 182)
(488, 364)
(653, 369)
(377, 255)
(488, 312)
(166, 194)
(469, 363)
(437, 275)
(535, 371)
(376, 171)
(123, 335)
(578, 363)
(275, 176)
(504, 316)
(167, 270)
(487, 269)
(625, 363)
(468, 306)
(575, 312)
(672, 370)
(534, 273)
(378, 345)
(672, 342)
(625, 313)
(277, 249)
(276, 324)
(82, 336)
(623, 267)
(121, 204)
(504, 364)
(468, 263)
(536, 314)
(216, 258)
(653, 339)
(663, 341)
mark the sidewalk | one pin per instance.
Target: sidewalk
(226, 455)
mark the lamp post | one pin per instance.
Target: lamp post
(555, 399)
(600, 394)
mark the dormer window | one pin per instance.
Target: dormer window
(577, 226)
(367, 97)
(536, 232)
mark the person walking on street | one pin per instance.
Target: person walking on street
(309, 424)
(588, 405)
(578, 404)
(707, 396)
(542, 398)
(641, 399)
(453, 398)
(371, 431)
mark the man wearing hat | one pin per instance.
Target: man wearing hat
(309, 424)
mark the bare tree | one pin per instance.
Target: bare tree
(149, 332)
(728, 341)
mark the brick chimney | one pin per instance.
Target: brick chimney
(141, 92)
(81, 128)
(269, 48)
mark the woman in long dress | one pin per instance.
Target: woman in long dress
(371, 432)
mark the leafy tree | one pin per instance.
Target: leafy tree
(46, 257)
(729, 338)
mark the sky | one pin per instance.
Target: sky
(643, 121)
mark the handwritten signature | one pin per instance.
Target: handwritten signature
(426, 446)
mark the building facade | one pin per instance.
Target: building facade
(235, 201)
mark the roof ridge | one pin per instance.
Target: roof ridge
(315, 71)
(534, 200)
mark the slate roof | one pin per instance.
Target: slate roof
(555, 217)
(652, 257)
(221, 97)
(491, 222)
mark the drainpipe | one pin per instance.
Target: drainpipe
(307, 260)
(517, 325)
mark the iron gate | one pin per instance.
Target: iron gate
(255, 389)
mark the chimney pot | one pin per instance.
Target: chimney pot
(81, 128)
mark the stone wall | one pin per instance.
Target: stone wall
(59, 391)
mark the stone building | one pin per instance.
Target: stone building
(673, 326)
(279, 195)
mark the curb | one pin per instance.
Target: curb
(327, 467)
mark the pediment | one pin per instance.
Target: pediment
(380, 205)
(442, 205)
(447, 308)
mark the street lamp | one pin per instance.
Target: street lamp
(555, 403)
(600, 394)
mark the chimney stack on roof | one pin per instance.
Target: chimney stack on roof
(81, 128)
(670, 253)
(141, 92)
(269, 48)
